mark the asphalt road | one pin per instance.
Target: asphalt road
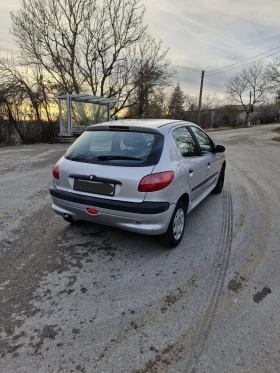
(90, 298)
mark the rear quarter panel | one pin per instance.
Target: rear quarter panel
(169, 161)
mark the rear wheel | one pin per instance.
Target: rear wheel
(220, 183)
(173, 236)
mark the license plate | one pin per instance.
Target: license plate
(94, 187)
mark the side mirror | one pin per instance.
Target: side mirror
(219, 149)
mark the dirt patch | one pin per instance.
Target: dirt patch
(48, 332)
(172, 298)
(236, 284)
(260, 295)
(175, 296)
(7, 348)
(160, 363)
(277, 138)
(240, 221)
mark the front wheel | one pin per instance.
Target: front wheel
(220, 183)
(173, 236)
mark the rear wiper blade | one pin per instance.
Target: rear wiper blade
(77, 159)
(117, 157)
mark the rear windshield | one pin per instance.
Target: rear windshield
(118, 148)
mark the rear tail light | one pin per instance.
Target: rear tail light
(92, 211)
(55, 171)
(155, 182)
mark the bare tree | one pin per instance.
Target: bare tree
(7, 120)
(210, 102)
(191, 102)
(252, 78)
(24, 95)
(11, 115)
(273, 75)
(87, 45)
(13, 79)
(156, 105)
(226, 116)
(153, 72)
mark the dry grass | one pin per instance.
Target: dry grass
(277, 138)
(225, 128)
(218, 129)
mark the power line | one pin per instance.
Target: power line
(215, 86)
(225, 69)
(233, 68)
(215, 83)
(248, 59)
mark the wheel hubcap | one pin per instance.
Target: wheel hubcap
(178, 225)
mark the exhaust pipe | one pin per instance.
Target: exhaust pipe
(68, 218)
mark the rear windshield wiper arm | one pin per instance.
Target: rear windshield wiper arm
(117, 157)
(77, 159)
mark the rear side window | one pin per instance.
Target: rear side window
(185, 142)
(118, 148)
(205, 143)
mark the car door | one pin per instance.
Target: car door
(191, 159)
(212, 159)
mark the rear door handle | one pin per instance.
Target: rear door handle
(191, 171)
(209, 165)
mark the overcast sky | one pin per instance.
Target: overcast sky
(201, 34)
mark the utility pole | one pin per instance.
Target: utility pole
(200, 97)
(249, 117)
(213, 113)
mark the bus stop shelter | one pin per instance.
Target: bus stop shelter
(78, 111)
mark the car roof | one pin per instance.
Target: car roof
(150, 123)
(156, 123)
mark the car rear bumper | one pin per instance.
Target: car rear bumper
(147, 217)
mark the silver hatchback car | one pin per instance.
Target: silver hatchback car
(143, 176)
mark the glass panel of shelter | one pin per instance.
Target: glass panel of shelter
(84, 114)
(64, 128)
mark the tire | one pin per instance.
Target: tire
(220, 183)
(173, 236)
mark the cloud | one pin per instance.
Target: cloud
(201, 34)
(6, 40)
(210, 34)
